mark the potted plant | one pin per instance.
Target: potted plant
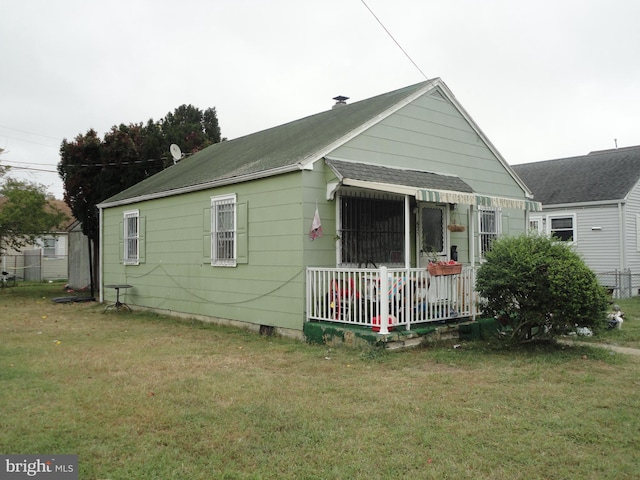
(444, 268)
(454, 226)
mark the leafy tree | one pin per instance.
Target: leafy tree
(191, 129)
(79, 164)
(538, 287)
(25, 214)
(94, 169)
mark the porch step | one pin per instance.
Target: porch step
(409, 343)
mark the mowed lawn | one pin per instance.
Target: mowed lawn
(141, 396)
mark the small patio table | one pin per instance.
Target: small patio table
(118, 305)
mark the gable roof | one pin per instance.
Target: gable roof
(276, 150)
(601, 176)
(285, 148)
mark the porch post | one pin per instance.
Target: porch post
(383, 298)
(407, 232)
(472, 259)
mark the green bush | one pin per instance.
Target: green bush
(538, 287)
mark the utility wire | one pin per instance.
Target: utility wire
(31, 169)
(30, 133)
(28, 141)
(396, 42)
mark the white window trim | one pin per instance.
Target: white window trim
(540, 221)
(225, 262)
(125, 254)
(58, 246)
(574, 218)
(481, 233)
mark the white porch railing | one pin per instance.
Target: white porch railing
(406, 297)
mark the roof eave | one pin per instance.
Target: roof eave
(597, 203)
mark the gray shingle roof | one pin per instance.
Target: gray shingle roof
(396, 176)
(265, 152)
(606, 175)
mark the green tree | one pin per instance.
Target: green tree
(79, 165)
(190, 128)
(94, 169)
(538, 287)
(25, 214)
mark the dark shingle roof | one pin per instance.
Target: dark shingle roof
(396, 176)
(606, 175)
(270, 150)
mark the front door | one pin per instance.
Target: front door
(432, 241)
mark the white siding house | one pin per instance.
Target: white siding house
(592, 201)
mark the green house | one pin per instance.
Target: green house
(397, 180)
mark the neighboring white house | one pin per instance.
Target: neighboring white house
(46, 259)
(592, 201)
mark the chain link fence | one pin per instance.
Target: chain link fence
(32, 266)
(620, 283)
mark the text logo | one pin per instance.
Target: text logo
(46, 467)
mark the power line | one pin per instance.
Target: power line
(28, 141)
(30, 133)
(31, 169)
(396, 42)
(29, 163)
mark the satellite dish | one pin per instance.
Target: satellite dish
(176, 153)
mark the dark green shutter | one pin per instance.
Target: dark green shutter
(242, 247)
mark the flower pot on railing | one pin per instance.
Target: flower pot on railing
(444, 268)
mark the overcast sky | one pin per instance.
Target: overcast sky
(543, 79)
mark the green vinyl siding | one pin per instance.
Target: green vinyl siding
(430, 134)
(267, 289)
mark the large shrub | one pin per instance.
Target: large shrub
(539, 287)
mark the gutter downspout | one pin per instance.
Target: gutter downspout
(621, 235)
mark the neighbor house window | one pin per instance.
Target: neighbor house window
(223, 230)
(489, 228)
(536, 225)
(371, 230)
(563, 227)
(132, 237)
(49, 247)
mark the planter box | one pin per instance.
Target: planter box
(435, 269)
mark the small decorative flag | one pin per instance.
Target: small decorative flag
(316, 226)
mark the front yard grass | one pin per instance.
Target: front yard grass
(141, 396)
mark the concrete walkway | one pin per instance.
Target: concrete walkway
(613, 348)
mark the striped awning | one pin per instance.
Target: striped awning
(444, 196)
